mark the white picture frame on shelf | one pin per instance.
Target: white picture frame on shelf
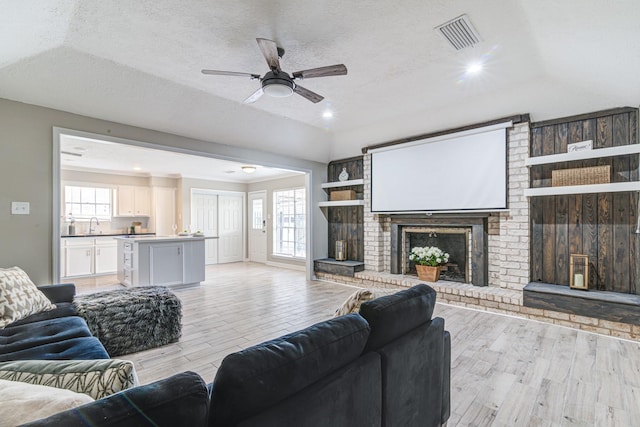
(580, 146)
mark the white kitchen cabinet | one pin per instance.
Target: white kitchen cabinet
(163, 211)
(125, 263)
(134, 201)
(142, 201)
(125, 202)
(105, 256)
(87, 256)
(79, 257)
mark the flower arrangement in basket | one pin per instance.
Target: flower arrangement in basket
(429, 256)
(428, 261)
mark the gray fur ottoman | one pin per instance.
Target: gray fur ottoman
(131, 320)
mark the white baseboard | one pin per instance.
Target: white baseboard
(289, 266)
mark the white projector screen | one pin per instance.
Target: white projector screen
(457, 172)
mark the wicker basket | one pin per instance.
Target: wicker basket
(342, 195)
(581, 176)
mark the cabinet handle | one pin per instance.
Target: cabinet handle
(88, 252)
(98, 251)
(178, 250)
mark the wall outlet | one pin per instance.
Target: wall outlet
(20, 208)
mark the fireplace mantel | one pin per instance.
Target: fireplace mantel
(479, 240)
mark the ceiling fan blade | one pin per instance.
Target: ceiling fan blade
(270, 51)
(331, 70)
(254, 96)
(231, 73)
(311, 96)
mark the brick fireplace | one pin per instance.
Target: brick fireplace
(498, 242)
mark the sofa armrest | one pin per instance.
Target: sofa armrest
(180, 400)
(446, 379)
(63, 292)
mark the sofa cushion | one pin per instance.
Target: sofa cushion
(21, 337)
(180, 400)
(21, 402)
(82, 348)
(96, 378)
(258, 377)
(348, 397)
(63, 309)
(19, 297)
(393, 315)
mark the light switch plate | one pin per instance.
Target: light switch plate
(20, 208)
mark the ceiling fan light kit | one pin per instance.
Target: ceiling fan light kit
(277, 83)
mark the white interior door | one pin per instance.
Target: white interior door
(204, 217)
(258, 226)
(230, 243)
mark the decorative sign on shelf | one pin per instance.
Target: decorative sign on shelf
(580, 146)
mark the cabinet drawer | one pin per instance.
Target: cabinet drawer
(126, 259)
(128, 247)
(77, 241)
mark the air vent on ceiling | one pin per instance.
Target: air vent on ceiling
(459, 32)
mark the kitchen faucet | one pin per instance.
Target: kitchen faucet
(91, 229)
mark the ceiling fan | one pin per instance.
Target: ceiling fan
(278, 83)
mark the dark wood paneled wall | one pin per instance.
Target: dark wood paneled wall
(599, 225)
(347, 222)
(354, 166)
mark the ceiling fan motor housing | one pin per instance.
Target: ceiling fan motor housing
(278, 84)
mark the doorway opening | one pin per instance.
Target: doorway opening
(164, 184)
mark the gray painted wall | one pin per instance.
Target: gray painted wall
(26, 174)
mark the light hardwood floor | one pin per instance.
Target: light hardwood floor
(505, 371)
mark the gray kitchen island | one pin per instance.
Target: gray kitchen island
(173, 261)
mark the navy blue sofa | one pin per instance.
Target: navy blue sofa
(387, 366)
(57, 334)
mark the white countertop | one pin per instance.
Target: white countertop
(143, 239)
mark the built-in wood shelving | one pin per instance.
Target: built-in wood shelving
(613, 187)
(584, 155)
(341, 203)
(338, 184)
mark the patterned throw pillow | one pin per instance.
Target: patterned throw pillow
(353, 303)
(22, 403)
(95, 378)
(355, 300)
(19, 297)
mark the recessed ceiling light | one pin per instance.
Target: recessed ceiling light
(327, 114)
(474, 68)
(248, 169)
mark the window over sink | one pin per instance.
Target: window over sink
(83, 203)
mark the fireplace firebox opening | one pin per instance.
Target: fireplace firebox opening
(453, 240)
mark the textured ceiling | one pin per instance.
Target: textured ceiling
(139, 63)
